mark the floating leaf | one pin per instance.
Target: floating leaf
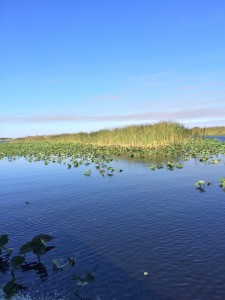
(159, 166)
(111, 169)
(75, 163)
(11, 288)
(26, 248)
(17, 261)
(179, 166)
(153, 167)
(222, 181)
(37, 245)
(44, 237)
(199, 183)
(3, 239)
(87, 172)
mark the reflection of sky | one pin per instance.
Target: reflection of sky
(138, 220)
(66, 68)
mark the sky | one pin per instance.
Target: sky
(68, 66)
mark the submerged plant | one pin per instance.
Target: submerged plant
(86, 278)
(61, 264)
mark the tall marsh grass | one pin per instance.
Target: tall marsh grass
(144, 136)
(197, 131)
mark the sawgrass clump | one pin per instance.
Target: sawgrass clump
(206, 131)
(144, 136)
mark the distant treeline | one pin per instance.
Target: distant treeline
(145, 136)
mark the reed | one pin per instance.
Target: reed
(144, 136)
(197, 131)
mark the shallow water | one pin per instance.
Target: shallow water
(217, 137)
(133, 222)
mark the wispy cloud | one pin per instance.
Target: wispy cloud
(183, 80)
(184, 101)
(143, 116)
(105, 98)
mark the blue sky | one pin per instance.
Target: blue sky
(74, 65)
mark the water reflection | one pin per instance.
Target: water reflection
(137, 221)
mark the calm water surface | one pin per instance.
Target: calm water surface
(133, 222)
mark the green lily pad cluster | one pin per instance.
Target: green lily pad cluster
(70, 155)
(169, 165)
(201, 184)
(74, 155)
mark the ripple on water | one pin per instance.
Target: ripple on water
(137, 221)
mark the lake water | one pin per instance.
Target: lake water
(133, 222)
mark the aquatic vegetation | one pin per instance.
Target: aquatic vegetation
(215, 161)
(200, 185)
(11, 288)
(99, 158)
(92, 159)
(86, 278)
(3, 241)
(19, 263)
(179, 166)
(87, 172)
(145, 136)
(37, 245)
(222, 182)
(170, 166)
(153, 167)
(61, 264)
(206, 131)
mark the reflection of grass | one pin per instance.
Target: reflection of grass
(144, 136)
